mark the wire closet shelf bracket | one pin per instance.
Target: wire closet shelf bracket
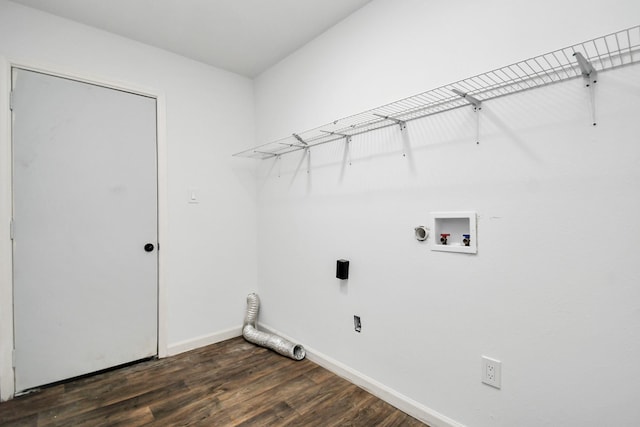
(583, 60)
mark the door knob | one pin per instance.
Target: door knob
(148, 247)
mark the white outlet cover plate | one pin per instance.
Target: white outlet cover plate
(491, 372)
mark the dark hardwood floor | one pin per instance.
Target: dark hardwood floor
(232, 383)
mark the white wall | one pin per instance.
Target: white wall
(209, 250)
(553, 291)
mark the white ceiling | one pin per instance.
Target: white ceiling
(243, 36)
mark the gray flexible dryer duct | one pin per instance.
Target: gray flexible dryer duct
(274, 342)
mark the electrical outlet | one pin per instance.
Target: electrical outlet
(491, 372)
(357, 324)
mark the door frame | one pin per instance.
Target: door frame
(7, 382)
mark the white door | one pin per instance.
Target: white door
(85, 217)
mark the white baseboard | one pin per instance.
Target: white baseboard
(400, 401)
(203, 340)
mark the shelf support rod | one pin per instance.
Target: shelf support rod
(588, 72)
(401, 123)
(266, 153)
(477, 106)
(344, 135)
(470, 99)
(590, 76)
(292, 145)
(296, 136)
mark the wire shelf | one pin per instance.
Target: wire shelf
(602, 53)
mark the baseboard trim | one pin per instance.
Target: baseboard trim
(203, 340)
(400, 401)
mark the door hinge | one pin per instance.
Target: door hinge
(11, 100)
(11, 230)
(13, 358)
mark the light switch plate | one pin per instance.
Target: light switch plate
(193, 195)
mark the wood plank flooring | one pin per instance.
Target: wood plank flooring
(232, 383)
